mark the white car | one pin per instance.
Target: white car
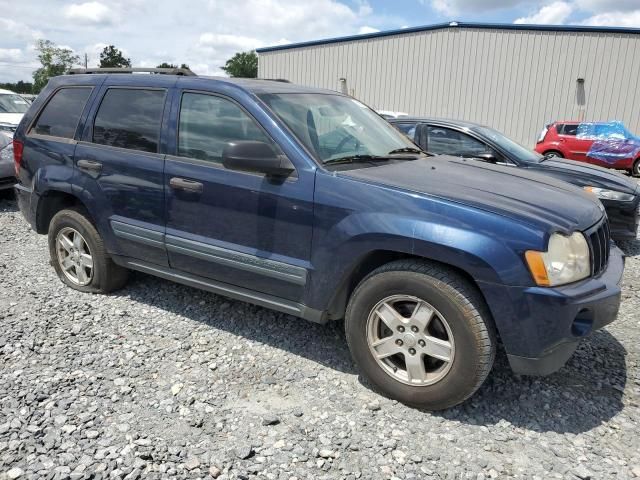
(12, 108)
(388, 114)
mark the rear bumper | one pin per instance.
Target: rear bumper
(541, 327)
(26, 206)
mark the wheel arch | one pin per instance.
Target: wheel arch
(51, 202)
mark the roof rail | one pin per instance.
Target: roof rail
(164, 71)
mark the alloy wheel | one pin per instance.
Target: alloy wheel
(74, 256)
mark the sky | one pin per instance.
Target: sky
(205, 33)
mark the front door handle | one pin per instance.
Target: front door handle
(89, 165)
(178, 183)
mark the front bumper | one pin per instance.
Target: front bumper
(624, 218)
(541, 327)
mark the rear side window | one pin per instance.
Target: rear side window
(209, 123)
(130, 118)
(61, 115)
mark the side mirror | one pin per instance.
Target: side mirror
(254, 156)
(489, 157)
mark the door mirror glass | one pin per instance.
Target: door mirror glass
(255, 156)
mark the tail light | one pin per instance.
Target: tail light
(18, 148)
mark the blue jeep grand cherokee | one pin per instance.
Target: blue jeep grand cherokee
(307, 202)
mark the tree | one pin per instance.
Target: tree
(18, 87)
(171, 65)
(55, 61)
(242, 64)
(111, 57)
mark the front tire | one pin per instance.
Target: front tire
(78, 254)
(421, 334)
(635, 171)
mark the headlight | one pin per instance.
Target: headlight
(566, 260)
(604, 194)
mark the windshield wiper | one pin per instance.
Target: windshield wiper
(356, 159)
(405, 150)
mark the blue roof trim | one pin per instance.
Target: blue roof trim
(439, 26)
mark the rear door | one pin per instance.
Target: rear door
(236, 227)
(120, 164)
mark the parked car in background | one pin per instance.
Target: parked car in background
(388, 114)
(607, 144)
(12, 108)
(7, 171)
(619, 194)
(308, 202)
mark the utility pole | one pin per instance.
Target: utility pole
(86, 61)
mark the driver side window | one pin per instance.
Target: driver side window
(209, 123)
(444, 141)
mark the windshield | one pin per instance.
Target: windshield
(518, 151)
(12, 103)
(335, 126)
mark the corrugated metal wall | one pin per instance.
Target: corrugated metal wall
(513, 80)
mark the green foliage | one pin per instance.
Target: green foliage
(18, 87)
(242, 64)
(111, 57)
(55, 61)
(171, 65)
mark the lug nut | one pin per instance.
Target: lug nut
(421, 343)
(399, 342)
(401, 329)
(414, 329)
(412, 351)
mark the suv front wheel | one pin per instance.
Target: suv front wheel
(78, 254)
(420, 333)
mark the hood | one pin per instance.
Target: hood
(535, 199)
(584, 174)
(11, 118)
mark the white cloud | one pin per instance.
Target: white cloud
(92, 12)
(10, 54)
(555, 13)
(222, 41)
(456, 7)
(599, 6)
(615, 19)
(367, 29)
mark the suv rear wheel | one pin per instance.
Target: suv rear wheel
(78, 254)
(553, 153)
(420, 333)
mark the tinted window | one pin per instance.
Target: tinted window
(209, 123)
(61, 115)
(409, 129)
(451, 142)
(568, 129)
(130, 118)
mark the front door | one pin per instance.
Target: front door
(241, 228)
(119, 163)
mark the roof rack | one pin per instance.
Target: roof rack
(163, 71)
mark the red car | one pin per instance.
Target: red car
(607, 144)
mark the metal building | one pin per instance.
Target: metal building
(515, 78)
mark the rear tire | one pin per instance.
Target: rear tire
(78, 254)
(635, 171)
(398, 357)
(553, 153)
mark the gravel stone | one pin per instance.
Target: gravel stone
(160, 380)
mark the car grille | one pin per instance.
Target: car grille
(599, 237)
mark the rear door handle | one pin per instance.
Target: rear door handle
(178, 183)
(89, 165)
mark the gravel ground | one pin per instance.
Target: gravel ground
(161, 380)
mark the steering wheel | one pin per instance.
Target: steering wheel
(344, 141)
